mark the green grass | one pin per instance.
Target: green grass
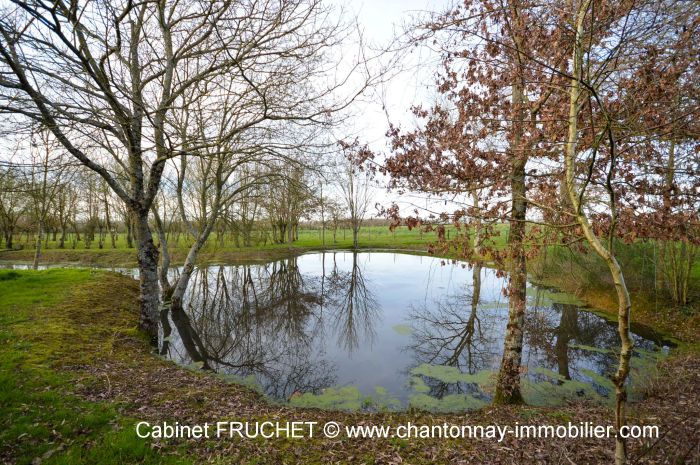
(370, 236)
(40, 415)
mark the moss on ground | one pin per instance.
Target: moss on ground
(43, 419)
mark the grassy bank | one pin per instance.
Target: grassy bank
(587, 277)
(76, 376)
(45, 341)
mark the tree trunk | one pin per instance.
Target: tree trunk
(247, 237)
(623, 369)
(178, 291)
(37, 252)
(108, 221)
(508, 382)
(148, 275)
(323, 222)
(623, 297)
(62, 240)
(129, 232)
(166, 288)
(235, 235)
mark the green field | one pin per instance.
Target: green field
(224, 249)
(370, 236)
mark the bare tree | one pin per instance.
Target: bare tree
(44, 181)
(13, 202)
(354, 184)
(106, 77)
(290, 197)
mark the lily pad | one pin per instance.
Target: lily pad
(403, 330)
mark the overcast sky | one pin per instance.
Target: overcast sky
(381, 21)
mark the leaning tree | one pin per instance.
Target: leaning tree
(617, 187)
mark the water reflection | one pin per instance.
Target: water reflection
(379, 330)
(352, 305)
(448, 331)
(575, 344)
(252, 320)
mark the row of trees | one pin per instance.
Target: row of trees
(48, 200)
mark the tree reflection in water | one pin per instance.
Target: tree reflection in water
(253, 320)
(353, 306)
(449, 332)
(574, 343)
(460, 331)
(264, 320)
(303, 324)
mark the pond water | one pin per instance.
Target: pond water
(388, 331)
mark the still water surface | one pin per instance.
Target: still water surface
(387, 331)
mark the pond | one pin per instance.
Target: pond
(388, 331)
